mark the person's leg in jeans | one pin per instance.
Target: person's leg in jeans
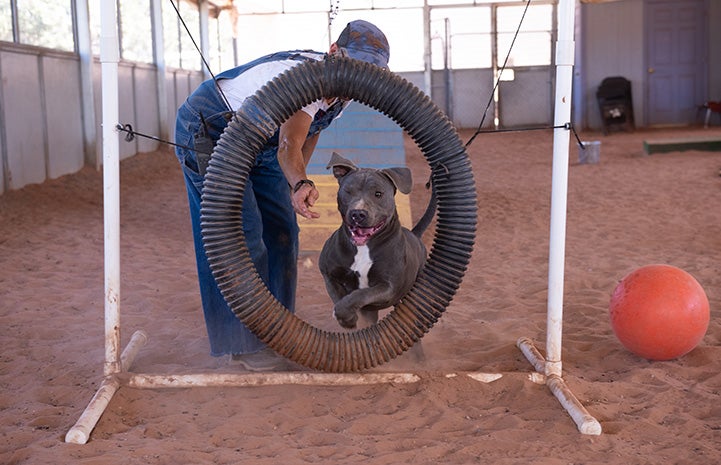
(226, 333)
(280, 227)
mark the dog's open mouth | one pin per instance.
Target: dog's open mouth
(361, 236)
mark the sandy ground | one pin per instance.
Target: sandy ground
(627, 211)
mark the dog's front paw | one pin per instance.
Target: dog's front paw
(345, 317)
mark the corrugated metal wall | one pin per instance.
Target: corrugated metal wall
(41, 112)
(42, 134)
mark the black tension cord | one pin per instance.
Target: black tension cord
(127, 128)
(567, 126)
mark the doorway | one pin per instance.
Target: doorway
(676, 61)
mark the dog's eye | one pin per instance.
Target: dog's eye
(379, 194)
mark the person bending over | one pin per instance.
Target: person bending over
(277, 186)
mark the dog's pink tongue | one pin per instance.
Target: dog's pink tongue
(361, 235)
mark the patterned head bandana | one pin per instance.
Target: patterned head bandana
(364, 41)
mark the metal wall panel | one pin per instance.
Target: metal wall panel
(63, 116)
(471, 90)
(23, 124)
(126, 108)
(146, 107)
(526, 100)
(714, 75)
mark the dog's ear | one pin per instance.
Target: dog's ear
(340, 165)
(400, 177)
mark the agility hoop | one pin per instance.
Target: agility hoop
(222, 229)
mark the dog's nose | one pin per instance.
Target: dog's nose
(358, 217)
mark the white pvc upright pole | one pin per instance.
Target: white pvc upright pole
(109, 57)
(551, 366)
(559, 185)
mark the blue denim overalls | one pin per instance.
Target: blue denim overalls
(269, 221)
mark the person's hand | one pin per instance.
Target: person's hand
(304, 198)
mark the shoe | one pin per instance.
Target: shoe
(264, 361)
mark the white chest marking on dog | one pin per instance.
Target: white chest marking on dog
(362, 264)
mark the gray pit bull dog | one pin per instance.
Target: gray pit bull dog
(371, 261)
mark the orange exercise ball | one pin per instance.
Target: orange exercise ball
(659, 312)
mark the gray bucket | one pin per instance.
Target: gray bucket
(591, 153)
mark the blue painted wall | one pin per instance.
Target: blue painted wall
(363, 135)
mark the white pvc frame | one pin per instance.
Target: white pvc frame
(551, 366)
(116, 365)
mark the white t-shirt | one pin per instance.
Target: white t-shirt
(246, 84)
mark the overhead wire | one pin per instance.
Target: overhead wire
(205, 62)
(333, 12)
(500, 73)
(567, 126)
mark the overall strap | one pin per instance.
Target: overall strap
(298, 55)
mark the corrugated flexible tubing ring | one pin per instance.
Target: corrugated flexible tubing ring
(222, 229)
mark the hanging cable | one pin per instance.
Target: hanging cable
(333, 11)
(498, 79)
(207, 66)
(567, 126)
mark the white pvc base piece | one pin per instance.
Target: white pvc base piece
(584, 421)
(80, 432)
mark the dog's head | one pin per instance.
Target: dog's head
(366, 196)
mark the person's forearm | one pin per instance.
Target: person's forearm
(294, 151)
(292, 147)
(292, 164)
(309, 147)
